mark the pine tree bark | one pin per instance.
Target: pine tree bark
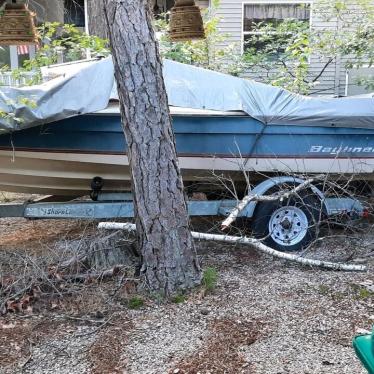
(165, 242)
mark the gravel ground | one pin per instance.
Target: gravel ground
(264, 316)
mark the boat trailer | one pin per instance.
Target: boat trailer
(107, 206)
(287, 225)
(115, 206)
(120, 205)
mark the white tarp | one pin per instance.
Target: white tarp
(86, 87)
(74, 89)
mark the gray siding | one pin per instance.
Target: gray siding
(202, 3)
(230, 12)
(48, 10)
(331, 82)
(327, 82)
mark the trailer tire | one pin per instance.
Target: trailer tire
(290, 225)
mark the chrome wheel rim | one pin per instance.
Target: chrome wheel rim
(288, 225)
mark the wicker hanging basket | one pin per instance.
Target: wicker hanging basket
(186, 22)
(17, 26)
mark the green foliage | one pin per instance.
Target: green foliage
(324, 290)
(59, 40)
(365, 294)
(135, 302)
(27, 102)
(178, 299)
(362, 293)
(68, 40)
(9, 115)
(210, 278)
(287, 48)
(279, 54)
(207, 53)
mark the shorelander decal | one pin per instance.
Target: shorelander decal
(339, 150)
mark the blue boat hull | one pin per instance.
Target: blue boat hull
(61, 158)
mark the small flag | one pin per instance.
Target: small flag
(23, 49)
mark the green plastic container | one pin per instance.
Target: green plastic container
(364, 347)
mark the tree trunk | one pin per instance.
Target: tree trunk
(165, 242)
(96, 24)
(111, 250)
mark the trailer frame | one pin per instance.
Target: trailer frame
(120, 205)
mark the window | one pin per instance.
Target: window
(271, 15)
(74, 12)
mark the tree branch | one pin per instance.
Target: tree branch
(252, 242)
(323, 69)
(247, 199)
(288, 70)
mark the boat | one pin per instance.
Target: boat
(226, 127)
(62, 158)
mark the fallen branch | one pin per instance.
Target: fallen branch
(76, 262)
(252, 242)
(247, 199)
(117, 226)
(109, 273)
(79, 319)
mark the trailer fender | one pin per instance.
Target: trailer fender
(266, 185)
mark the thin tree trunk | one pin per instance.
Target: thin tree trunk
(165, 242)
(96, 24)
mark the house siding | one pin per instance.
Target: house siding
(202, 3)
(326, 84)
(48, 10)
(353, 89)
(332, 82)
(231, 14)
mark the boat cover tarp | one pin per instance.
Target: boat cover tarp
(198, 88)
(86, 87)
(74, 89)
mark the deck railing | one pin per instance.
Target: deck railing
(9, 80)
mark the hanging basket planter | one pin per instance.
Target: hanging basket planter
(17, 25)
(186, 22)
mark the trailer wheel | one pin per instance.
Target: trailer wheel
(290, 225)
